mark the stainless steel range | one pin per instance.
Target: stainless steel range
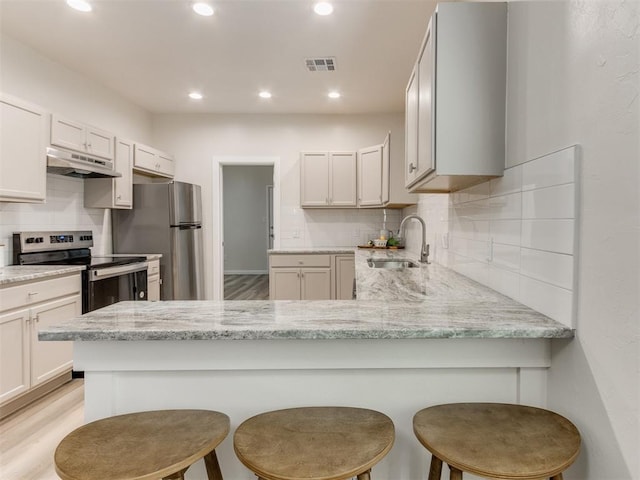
(106, 279)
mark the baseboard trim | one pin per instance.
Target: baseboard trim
(34, 394)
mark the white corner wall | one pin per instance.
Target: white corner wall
(573, 79)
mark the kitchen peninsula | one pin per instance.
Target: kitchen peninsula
(412, 339)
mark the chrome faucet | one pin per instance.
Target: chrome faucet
(424, 252)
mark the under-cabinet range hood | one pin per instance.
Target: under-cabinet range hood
(72, 164)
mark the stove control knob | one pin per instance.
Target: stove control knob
(141, 295)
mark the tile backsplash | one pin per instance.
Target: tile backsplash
(63, 210)
(334, 227)
(516, 234)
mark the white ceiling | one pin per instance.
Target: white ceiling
(153, 52)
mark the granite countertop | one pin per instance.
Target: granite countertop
(426, 302)
(312, 250)
(285, 319)
(25, 273)
(149, 256)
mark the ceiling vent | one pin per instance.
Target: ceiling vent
(325, 64)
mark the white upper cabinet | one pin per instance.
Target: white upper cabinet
(150, 161)
(328, 179)
(342, 179)
(23, 149)
(411, 129)
(113, 192)
(455, 99)
(82, 138)
(374, 174)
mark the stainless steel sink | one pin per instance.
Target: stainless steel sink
(391, 263)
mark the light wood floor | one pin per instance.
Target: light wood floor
(29, 437)
(246, 287)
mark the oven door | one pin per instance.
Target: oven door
(105, 286)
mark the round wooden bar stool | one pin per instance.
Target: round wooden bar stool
(314, 443)
(144, 445)
(495, 440)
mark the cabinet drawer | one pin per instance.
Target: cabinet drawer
(39, 291)
(300, 260)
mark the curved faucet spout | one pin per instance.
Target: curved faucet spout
(424, 252)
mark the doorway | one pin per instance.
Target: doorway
(246, 216)
(247, 229)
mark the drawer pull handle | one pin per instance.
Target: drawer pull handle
(31, 294)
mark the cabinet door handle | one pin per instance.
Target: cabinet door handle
(412, 167)
(302, 274)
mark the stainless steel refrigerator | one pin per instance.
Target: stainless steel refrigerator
(166, 218)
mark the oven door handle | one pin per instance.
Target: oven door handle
(107, 272)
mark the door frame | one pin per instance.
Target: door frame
(218, 209)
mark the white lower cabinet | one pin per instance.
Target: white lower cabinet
(26, 362)
(49, 359)
(153, 281)
(309, 277)
(345, 275)
(14, 354)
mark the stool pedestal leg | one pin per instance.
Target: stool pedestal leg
(212, 465)
(365, 475)
(435, 469)
(557, 477)
(455, 474)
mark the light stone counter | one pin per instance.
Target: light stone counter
(413, 339)
(312, 250)
(19, 273)
(426, 302)
(149, 256)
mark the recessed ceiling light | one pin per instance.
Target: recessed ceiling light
(195, 96)
(265, 94)
(333, 94)
(80, 5)
(323, 8)
(203, 9)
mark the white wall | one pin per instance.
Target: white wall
(196, 139)
(573, 78)
(26, 74)
(246, 218)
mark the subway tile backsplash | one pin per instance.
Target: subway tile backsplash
(334, 227)
(63, 210)
(516, 234)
